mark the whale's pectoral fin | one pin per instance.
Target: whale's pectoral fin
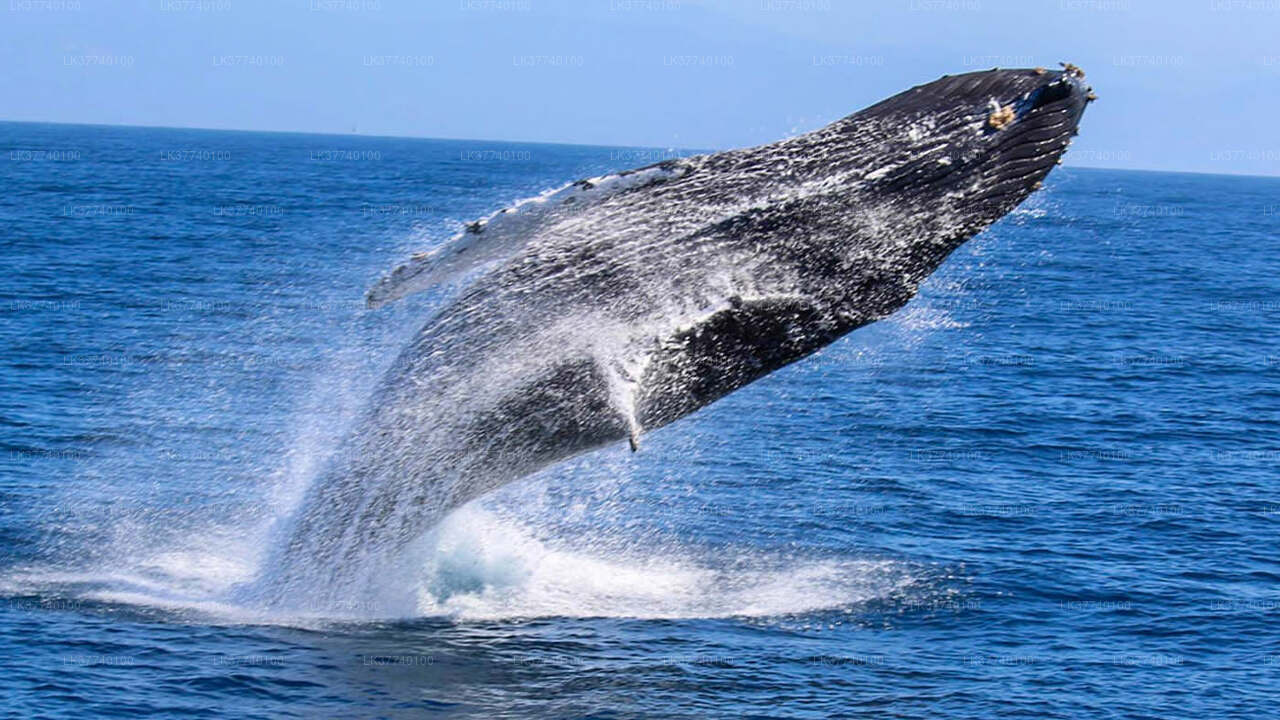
(505, 232)
(728, 349)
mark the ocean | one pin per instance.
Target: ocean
(1045, 488)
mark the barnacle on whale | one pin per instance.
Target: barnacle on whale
(1000, 116)
(1072, 70)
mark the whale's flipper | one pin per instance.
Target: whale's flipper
(507, 231)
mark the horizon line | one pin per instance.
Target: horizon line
(548, 142)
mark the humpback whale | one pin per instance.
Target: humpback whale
(615, 305)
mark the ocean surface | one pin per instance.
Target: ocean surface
(1047, 488)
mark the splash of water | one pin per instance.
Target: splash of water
(479, 564)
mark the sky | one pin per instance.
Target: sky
(1183, 85)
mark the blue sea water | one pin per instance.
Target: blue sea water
(1046, 488)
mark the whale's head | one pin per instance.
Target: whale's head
(968, 148)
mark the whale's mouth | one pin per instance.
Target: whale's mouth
(1053, 92)
(1006, 131)
(1046, 108)
(979, 142)
(1057, 102)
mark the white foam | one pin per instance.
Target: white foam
(478, 565)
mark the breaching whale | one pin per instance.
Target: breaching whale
(616, 305)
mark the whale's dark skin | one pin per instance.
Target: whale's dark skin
(649, 303)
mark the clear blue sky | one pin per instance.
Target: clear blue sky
(1189, 85)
